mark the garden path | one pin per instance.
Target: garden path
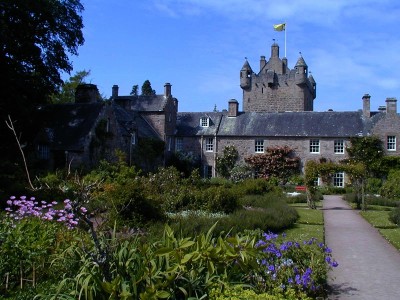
(369, 267)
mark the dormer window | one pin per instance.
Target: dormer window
(204, 121)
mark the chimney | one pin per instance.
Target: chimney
(366, 105)
(233, 108)
(262, 62)
(115, 91)
(391, 105)
(87, 93)
(167, 90)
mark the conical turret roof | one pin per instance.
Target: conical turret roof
(246, 66)
(301, 62)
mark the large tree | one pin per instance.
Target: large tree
(36, 38)
(147, 90)
(36, 41)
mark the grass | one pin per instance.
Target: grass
(310, 224)
(379, 218)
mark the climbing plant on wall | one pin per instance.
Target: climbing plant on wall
(279, 162)
(325, 170)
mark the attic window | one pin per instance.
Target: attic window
(204, 121)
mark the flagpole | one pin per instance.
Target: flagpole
(285, 40)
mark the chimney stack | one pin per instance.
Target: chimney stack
(115, 91)
(263, 62)
(366, 105)
(233, 108)
(391, 105)
(167, 90)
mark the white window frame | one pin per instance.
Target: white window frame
(209, 144)
(133, 138)
(338, 179)
(391, 143)
(204, 121)
(259, 146)
(178, 144)
(314, 146)
(338, 147)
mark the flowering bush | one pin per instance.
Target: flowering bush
(23, 207)
(287, 264)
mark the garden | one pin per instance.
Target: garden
(115, 233)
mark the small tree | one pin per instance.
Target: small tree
(367, 150)
(134, 91)
(227, 161)
(277, 162)
(67, 92)
(147, 90)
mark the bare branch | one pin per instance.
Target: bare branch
(10, 125)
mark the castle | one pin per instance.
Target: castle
(277, 111)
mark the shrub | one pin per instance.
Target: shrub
(257, 186)
(394, 216)
(242, 292)
(391, 187)
(373, 185)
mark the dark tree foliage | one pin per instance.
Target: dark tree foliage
(36, 39)
(147, 90)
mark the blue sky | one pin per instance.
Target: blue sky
(352, 47)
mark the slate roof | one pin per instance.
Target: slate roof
(188, 123)
(144, 103)
(131, 120)
(285, 124)
(67, 125)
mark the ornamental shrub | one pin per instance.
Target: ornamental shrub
(394, 216)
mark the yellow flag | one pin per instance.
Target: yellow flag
(280, 27)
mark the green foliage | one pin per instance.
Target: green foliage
(226, 162)
(391, 187)
(243, 292)
(184, 162)
(241, 172)
(148, 154)
(28, 245)
(368, 151)
(373, 185)
(394, 216)
(278, 162)
(67, 92)
(256, 186)
(134, 91)
(147, 90)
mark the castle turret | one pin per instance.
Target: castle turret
(245, 76)
(301, 71)
(313, 85)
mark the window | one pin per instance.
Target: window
(133, 138)
(178, 144)
(209, 144)
(339, 146)
(204, 122)
(43, 152)
(169, 143)
(391, 143)
(259, 146)
(314, 146)
(208, 171)
(338, 179)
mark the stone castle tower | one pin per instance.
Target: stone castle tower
(276, 88)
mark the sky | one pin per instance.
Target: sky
(351, 47)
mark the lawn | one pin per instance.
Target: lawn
(379, 218)
(310, 224)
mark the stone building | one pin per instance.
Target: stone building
(277, 111)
